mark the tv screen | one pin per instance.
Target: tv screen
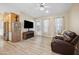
(28, 24)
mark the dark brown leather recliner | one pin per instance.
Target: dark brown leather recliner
(65, 44)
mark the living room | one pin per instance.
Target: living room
(46, 20)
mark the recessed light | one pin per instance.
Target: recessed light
(47, 11)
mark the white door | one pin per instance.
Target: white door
(38, 27)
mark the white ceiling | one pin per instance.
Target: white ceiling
(33, 9)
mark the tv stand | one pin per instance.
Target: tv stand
(28, 34)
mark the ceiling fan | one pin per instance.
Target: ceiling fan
(44, 6)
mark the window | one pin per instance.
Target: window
(38, 27)
(59, 25)
(45, 24)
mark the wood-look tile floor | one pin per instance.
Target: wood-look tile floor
(32, 46)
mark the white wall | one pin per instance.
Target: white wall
(51, 31)
(66, 21)
(74, 18)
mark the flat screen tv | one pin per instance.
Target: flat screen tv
(28, 24)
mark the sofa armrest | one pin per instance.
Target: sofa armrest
(75, 40)
(62, 47)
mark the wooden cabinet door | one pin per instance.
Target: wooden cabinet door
(6, 31)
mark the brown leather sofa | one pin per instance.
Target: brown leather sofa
(65, 44)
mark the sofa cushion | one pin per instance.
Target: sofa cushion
(59, 37)
(67, 38)
(69, 35)
(72, 35)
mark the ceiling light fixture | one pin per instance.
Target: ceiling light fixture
(43, 6)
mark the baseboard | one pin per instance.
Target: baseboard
(44, 36)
